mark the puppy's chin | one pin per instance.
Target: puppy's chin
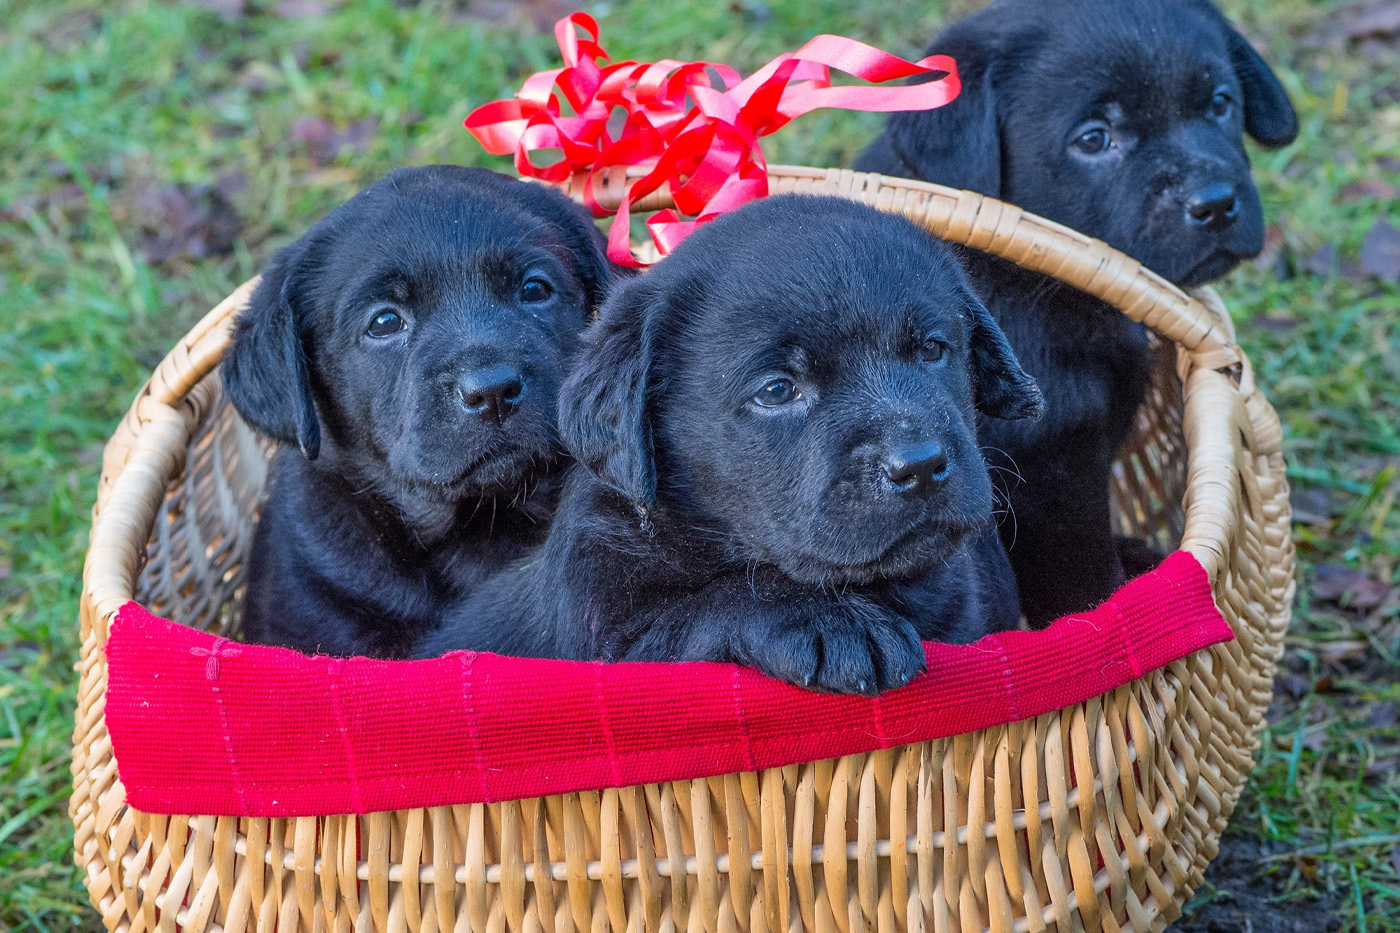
(1214, 266)
(502, 471)
(509, 472)
(916, 551)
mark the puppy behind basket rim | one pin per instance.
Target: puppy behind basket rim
(1124, 121)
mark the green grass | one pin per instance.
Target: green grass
(106, 106)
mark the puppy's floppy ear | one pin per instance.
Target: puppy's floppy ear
(958, 144)
(264, 371)
(1002, 389)
(1268, 113)
(603, 402)
(580, 234)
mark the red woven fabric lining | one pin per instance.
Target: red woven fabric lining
(203, 725)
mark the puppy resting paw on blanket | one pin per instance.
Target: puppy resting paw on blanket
(777, 461)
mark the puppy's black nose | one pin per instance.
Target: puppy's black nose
(1214, 207)
(493, 393)
(915, 468)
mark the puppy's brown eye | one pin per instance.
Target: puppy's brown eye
(1093, 142)
(933, 350)
(385, 323)
(776, 393)
(533, 291)
(1221, 105)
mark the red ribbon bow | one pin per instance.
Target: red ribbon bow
(698, 135)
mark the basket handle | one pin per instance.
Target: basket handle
(996, 227)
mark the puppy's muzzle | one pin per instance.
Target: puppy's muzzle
(492, 393)
(1214, 206)
(915, 469)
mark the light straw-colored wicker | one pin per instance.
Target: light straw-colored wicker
(1101, 816)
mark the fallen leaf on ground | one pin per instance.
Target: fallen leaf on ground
(302, 9)
(1364, 188)
(1325, 261)
(323, 141)
(1380, 252)
(13, 655)
(71, 30)
(1375, 19)
(1335, 652)
(184, 221)
(1295, 685)
(231, 183)
(1314, 505)
(226, 10)
(541, 15)
(1348, 586)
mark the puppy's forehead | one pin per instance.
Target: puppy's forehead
(1142, 56)
(458, 224)
(406, 246)
(820, 304)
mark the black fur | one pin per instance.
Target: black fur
(701, 525)
(409, 486)
(1037, 76)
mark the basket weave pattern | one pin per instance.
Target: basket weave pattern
(1101, 816)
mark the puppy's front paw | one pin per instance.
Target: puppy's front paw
(861, 649)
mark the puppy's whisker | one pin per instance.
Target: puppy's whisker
(1014, 469)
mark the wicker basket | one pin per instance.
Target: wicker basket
(1101, 816)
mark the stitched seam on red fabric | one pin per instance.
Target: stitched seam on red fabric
(606, 722)
(877, 716)
(737, 683)
(1129, 651)
(1008, 680)
(228, 739)
(334, 670)
(468, 660)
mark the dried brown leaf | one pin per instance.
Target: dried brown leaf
(184, 221)
(1349, 587)
(1380, 252)
(1375, 19)
(323, 141)
(1364, 188)
(1385, 714)
(227, 10)
(1335, 652)
(1314, 505)
(303, 9)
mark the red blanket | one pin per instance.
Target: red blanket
(204, 725)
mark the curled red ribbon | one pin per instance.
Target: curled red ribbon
(695, 124)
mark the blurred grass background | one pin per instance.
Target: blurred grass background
(155, 154)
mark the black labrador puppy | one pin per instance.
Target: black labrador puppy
(407, 353)
(778, 466)
(1123, 119)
